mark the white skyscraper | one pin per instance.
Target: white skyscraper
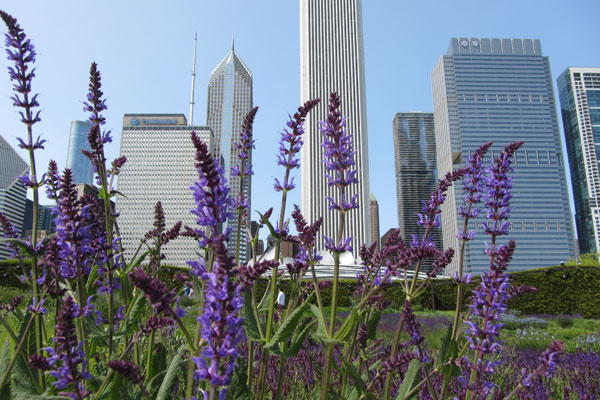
(332, 60)
(229, 101)
(159, 167)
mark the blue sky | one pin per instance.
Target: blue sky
(144, 51)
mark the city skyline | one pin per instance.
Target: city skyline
(398, 60)
(79, 163)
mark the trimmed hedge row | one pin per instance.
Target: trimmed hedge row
(560, 290)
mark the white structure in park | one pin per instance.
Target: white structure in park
(332, 60)
(159, 167)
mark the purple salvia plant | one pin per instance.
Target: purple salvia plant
(66, 361)
(491, 295)
(221, 324)
(160, 237)
(9, 231)
(213, 203)
(290, 144)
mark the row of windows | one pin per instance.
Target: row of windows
(502, 97)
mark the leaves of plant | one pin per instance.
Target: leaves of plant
(288, 325)
(133, 316)
(165, 392)
(4, 361)
(250, 322)
(298, 340)
(372, 325)
(411, 379)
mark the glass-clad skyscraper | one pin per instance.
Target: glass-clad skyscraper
(80, 165)
(579, 90)
(229, 101)
(416, 173)
(13, 194)
(501, 90)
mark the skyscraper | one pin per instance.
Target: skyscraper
(229, 100)
(416, 172)
(579, 90)
(80, 165)
(159, 167)
(374, 212)
(501, 90)
(332, 60)
(12, 192)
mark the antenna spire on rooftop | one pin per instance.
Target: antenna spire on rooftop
(232, 43)
(191, 122)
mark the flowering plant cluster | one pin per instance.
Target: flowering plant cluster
(99, 326)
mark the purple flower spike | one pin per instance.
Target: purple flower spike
(155, 290)
(290, 144)
(338, 151)
(21, 52)
(213, 203)
(246, 144)
(221, 324)
(127, 369)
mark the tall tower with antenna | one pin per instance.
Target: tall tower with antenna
(191, 121)
(229, 100)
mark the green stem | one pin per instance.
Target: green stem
(149, 356)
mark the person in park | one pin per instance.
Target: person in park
(280, 298)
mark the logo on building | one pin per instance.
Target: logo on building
(135, 121)
(153, 121)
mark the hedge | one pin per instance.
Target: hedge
(560, 290)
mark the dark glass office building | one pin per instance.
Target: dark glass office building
(579, 90)
(80, 165)
(501, 90)
(416, 173)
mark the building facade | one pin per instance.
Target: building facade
(80, 165)
(416, 170)
(159, 167)
(332, 60)
(374, 213)
(501, 90)
(13, 194)
(229, 101)
(579, 91)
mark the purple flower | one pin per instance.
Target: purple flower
(211, 194)
(155, 290)
(20, 50)
(248, 274)
(290, 144)
(338, 151)
(221, 324)
(155, 323)
(12, 305)
(66, 361)
(246, 144)
(127, 369)
(9, 231)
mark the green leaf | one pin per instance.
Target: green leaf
(168, 384)
(265, 303)
(154, 384)
(118, 387)
(298, 341)
(113, 193)
(444, 354)
(288, 325)
(321, 327)
(102, 194)
(411, 379)
(23, 383)
(269, 225)
(372, 325)
(21, 245)
(136, 262)
(250, 322)
(347, 326)
(237, 389)
(134, 315)
(359, 384)
(4, 361)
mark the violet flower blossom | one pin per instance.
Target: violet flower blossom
(491, 295)
(213, 203)
(9, 231)
(290, 144)
(20, 50)
(221, 324)
(244, 148)
(66, 361)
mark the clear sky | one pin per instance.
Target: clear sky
(144, 50)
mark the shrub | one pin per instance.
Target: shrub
(564, 321)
